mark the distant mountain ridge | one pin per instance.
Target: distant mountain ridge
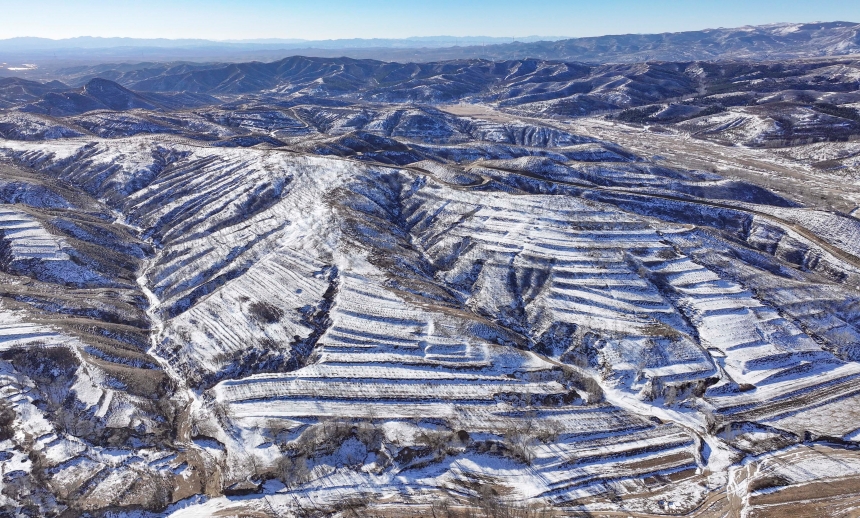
(94, 42)
(776, 41)
(535, 87)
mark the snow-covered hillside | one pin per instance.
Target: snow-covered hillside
(321, 308)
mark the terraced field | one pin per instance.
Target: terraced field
(332, 308)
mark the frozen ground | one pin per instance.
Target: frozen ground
(385, 309)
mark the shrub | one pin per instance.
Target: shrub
(265, 312)
(293, 471)
(521, 438)
(492, 505)
(7, 417)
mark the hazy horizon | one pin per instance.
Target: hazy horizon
(292, 40)
(226, 21)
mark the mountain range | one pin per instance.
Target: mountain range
(778, 41)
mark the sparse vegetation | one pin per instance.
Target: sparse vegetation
(838, 111)
(638, 115)
(488, 503)
(523, 435)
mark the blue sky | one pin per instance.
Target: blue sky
(328, 19)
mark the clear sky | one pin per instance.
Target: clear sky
(331, 19)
